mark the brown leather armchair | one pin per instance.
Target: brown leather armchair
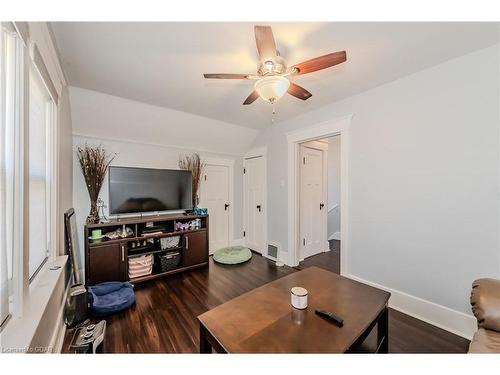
(485, 301)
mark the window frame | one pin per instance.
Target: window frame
(27, 60)
(50, 168)
(17, 283)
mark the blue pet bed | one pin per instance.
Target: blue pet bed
(111, 297)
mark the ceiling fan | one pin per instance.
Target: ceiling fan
(273, 75)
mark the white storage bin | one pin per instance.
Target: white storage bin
(169, 242)
(140, 266)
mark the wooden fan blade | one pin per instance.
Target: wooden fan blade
(251, 98)
(265, 42)
(321, 62)
(298, 92)
(226, 76)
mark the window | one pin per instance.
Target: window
(10, 62)
(27, 164)
(40, 173)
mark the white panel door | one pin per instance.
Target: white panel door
(214, 195)
(254, 221)
(312, 209)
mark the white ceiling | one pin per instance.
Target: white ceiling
(163, 63)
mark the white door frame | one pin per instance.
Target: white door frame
(323, 147)
(339, 126)
(254, 153)
(230, 164)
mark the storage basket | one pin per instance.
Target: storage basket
(169, 242)
(169, 261)
(140, 266)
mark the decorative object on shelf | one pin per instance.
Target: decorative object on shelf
(94, 162)
(123, 232)
(100, 211)
(181, 226)
(195, 224)
(96, 234)
(127, 232)
(200, 211)
(194, 164)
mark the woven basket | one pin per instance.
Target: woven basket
(169, 261)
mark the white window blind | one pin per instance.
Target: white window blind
(39, 173)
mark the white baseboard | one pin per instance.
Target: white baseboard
(335, 236)
(57, 340)
(456, 322)
(238, 242)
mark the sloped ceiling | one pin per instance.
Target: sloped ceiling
(163, 63)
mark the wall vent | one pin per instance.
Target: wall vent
(273, 250)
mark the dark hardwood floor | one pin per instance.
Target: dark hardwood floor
(329, 260)
(164, 318)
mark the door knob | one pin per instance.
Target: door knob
(321, 205)
(226, 206)
(259, 208)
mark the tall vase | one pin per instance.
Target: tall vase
(93, 217)
(196, 201)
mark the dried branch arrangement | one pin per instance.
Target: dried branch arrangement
(194, 164)
(94, 162)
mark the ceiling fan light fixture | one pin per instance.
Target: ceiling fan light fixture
(272, 88)
(269, 65)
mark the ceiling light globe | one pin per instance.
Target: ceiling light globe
(272, 88)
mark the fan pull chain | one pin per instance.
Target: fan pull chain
(274, 113)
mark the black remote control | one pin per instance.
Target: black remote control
(330, 316)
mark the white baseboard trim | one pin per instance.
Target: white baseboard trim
(56, 343)
(238, 242)
(335, 236)
(453, 321)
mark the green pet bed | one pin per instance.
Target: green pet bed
(232, 255)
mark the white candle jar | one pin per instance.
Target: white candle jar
(299, 297)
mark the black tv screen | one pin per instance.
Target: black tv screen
(148, 190)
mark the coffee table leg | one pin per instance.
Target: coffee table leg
(383, 332)
(205, 347)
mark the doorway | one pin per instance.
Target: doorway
(255, 202)
(216, 196)
(312, 198)
(319, 200)
(335, 127)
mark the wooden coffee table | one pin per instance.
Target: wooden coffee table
(263, 320)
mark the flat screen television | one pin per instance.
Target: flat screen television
(133, 190)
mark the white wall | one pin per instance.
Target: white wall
(333, 160)
(142, 135)
(110, 117)
(424, 179)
